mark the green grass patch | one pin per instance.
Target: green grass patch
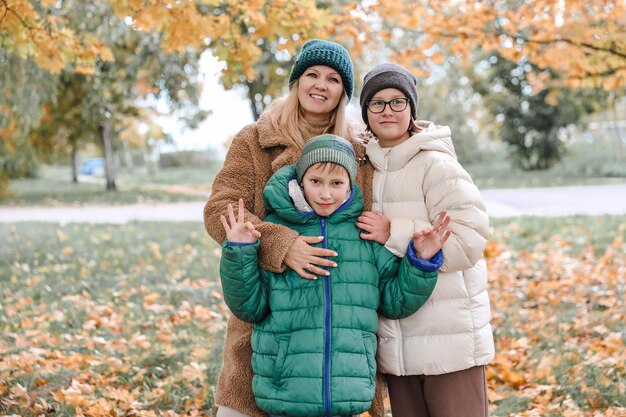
(584, 164)
(581, 232)
(53, 187)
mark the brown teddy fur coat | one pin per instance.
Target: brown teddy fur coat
(256, 152)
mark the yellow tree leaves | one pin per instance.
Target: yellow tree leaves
(181, 24)
(584, 42)
(46, 38)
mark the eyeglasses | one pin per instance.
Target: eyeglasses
(397, 105)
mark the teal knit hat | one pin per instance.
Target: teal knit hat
(327, 148)
(331, 54)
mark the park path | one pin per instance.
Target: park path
(555, 201)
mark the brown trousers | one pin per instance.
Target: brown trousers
(462, 393)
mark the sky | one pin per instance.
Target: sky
(230, 112)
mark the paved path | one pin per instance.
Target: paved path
(560, 201)
(557, 201)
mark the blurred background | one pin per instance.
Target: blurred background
(133, 103)
(533, 90)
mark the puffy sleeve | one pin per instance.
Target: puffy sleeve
(447, 186)
(245, 293)
(405, 284)
(237, 179)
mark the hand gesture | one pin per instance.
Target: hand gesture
(429, 241)
(308, 261)
(238, 231)
(376, 225)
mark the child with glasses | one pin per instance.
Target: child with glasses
(314, 341)
(434, 360)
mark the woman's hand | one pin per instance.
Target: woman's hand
(429, 241)
(239, 231)
(376, 225)
(308, 260)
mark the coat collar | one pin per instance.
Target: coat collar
(431, 137)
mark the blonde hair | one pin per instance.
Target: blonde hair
(287, 117)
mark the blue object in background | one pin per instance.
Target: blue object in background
(92, 166)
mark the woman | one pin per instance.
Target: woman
(321, 84)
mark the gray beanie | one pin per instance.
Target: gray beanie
(389, 76)
(327, 148)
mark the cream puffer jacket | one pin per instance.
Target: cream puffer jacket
(413, 183)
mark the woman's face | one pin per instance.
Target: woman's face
(319, 91)
(391, 128)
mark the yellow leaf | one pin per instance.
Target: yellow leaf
(82, 69)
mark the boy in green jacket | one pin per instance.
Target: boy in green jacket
(314, 341)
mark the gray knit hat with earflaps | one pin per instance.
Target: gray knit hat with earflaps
(327, 148)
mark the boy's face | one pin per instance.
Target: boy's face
(325, 186)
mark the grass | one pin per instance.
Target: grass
(54, 188)
(584, 164)
(129, 319)
(581, 232)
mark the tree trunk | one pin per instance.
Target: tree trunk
(618, 137)
(253, 108)
(128, 159)
(109, 165)
(74, 156)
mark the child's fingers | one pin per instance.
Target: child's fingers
(445, 237)
(231, 215)
(250, 227)
(419, 234)
(446, 222)
(240, 214)
(364, 226)
(444, 227)
(367, 236)
(441, 220)
(225, 223)
(365, 219)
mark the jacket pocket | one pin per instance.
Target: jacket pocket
(283, 346)
(369, 345)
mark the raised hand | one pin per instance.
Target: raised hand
(375, 226)
(239, 231)
(427, 242)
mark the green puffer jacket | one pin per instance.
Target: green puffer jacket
(314, 342)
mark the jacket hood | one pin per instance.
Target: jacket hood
(277, 200)
(431, 138)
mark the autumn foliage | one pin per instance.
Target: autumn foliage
(129, 320)
(582, 41)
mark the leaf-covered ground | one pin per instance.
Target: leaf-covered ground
(100, 320)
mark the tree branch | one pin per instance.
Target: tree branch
(611, 50)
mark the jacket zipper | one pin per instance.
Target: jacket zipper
(327, 331)
(382, 184)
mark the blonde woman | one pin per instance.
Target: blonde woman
(321, 84)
